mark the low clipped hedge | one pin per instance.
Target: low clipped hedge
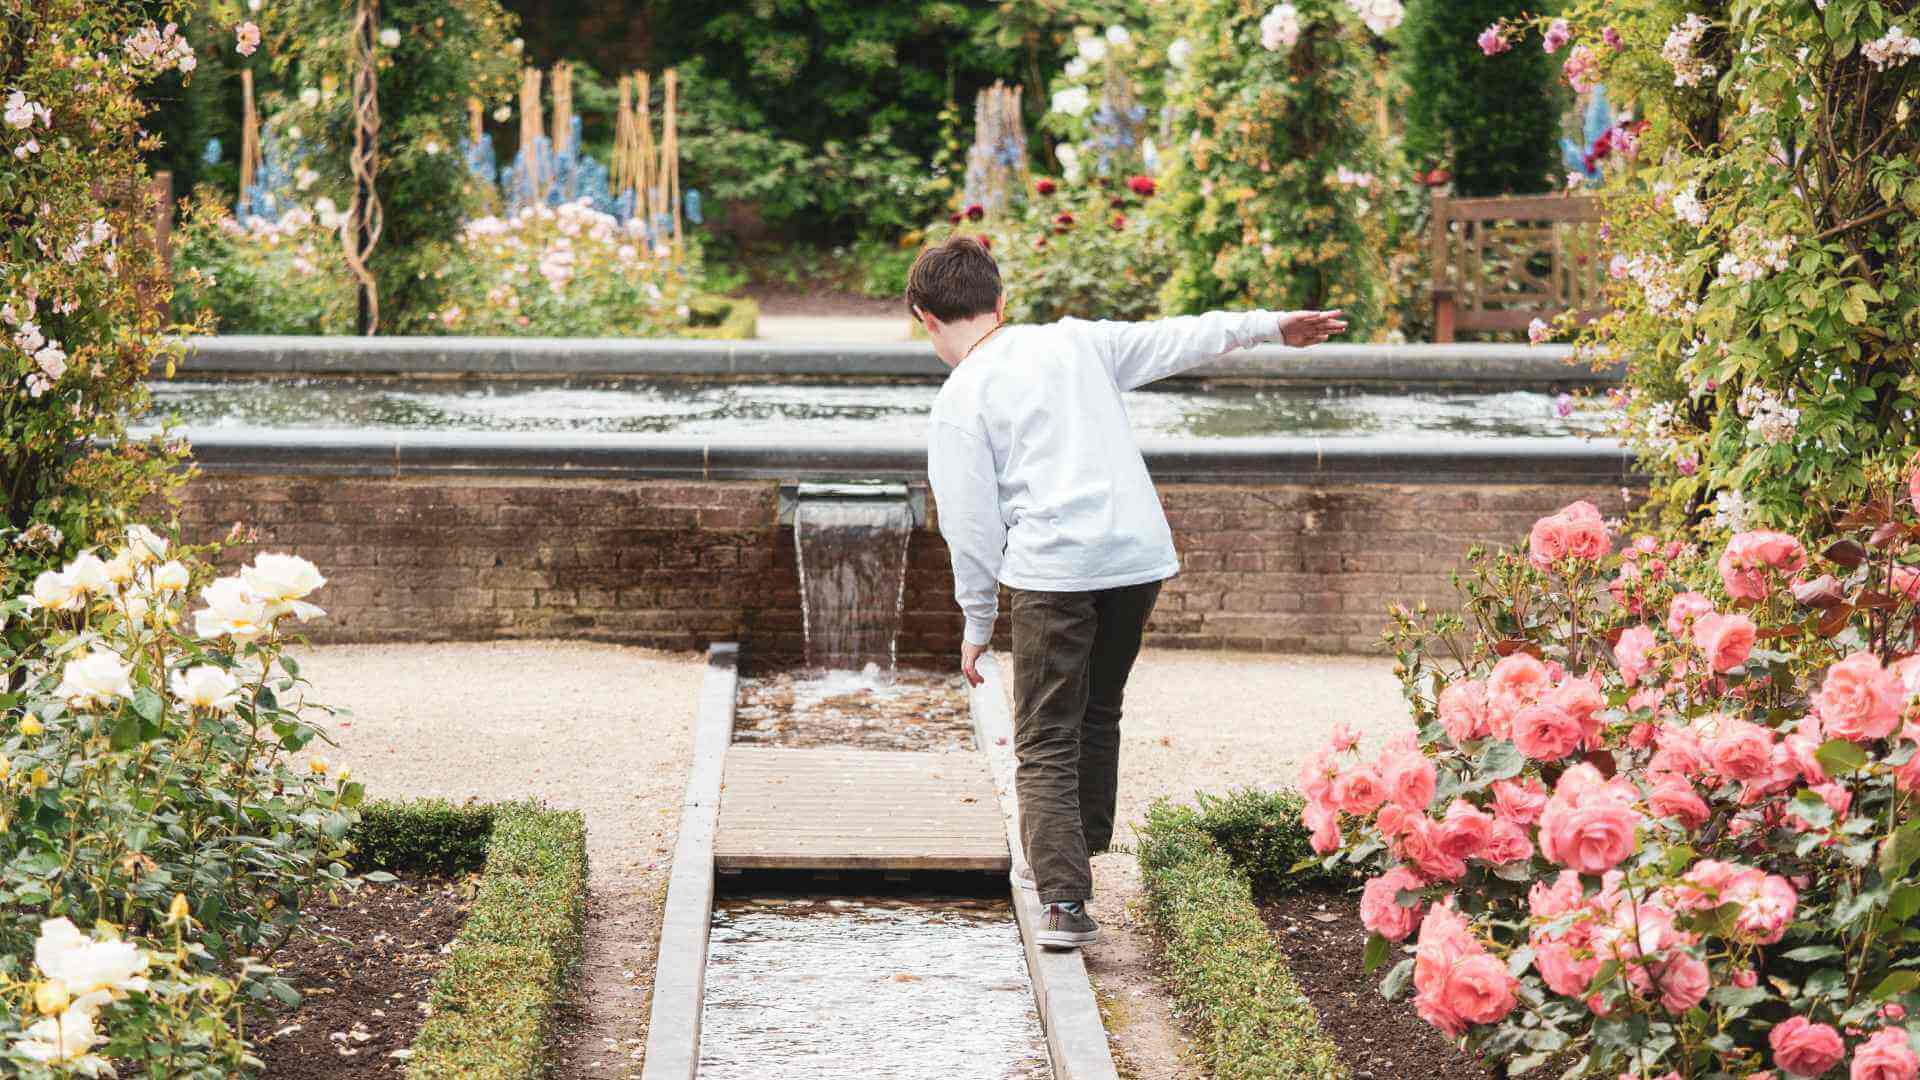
(496, 999)
(1228, 975)
(1261, 832)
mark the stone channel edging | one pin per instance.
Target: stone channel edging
(1395, 460)
(1489, 365)
(680, 963)
(1062, 992)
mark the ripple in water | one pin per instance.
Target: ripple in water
(799, 989)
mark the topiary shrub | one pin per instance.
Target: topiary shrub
(1493, 122)
(1659, 818)
(1273, 116)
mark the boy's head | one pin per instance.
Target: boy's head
(953, 282)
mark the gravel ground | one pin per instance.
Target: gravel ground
(607, 730)
(597, 728)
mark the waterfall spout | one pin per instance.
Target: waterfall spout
(852, 549)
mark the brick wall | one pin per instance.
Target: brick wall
(676, 564)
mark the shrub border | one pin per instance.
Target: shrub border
(510, 968)
(1228, 977)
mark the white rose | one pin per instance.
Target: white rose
(88, 573)
(390, 38)
(62, 1039)
(54, 591)
(95, 679)
(282, 579)
(232, 611)
(1118, 36)
(120, 568)
(84, 965)
(1093, 49)
(1076, 68)
(145, 545)
(1179, 53)
(206, 687)
(1072, 101)
(171, 577)
(310, 97)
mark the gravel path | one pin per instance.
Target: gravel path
(597, 728)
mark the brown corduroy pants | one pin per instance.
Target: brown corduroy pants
(1072, 653)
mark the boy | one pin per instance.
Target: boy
(1039, 485)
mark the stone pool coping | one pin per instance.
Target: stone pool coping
(1399, 460)
(1504, 366)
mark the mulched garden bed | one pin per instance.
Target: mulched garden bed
(908, 710)
(364, 966)
(1319, 933)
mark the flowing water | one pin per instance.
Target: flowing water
(805, 988)
(691, 407)
(853, 578)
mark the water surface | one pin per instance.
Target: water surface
(814, 410)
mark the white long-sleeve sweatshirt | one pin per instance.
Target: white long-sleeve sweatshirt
(1037, 480)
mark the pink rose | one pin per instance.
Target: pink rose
(1686, 606)
(1493, 43)
(1767, 903)
(1359, 791)
(1672, 796)
(1522, 800)
(1726, 640)
(1545, 732)
(1684, 981)
(1885, 1056)
(1680, 752)
(1751, 560)
(1893, 1012)
(1905, 580)
(1592, 836)
(1410, 780)
(1422, 846)
(1380, 909)
(1516, 681)
(1557, 35)
(1551, 901)
(1587, 539)
(1323, 822)
(1741, 750)
(1859, 700)
(1913, 489)
(1804, 1048)
(1464, 831)
(1463, 711)
(1907, 777)
(1507, 842)
(1479, 990)
(1562, 971)
(1395, 821)
(1547, 541)
(1581, 698)
(1631, 653)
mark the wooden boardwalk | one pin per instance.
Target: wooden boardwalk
(839, 809)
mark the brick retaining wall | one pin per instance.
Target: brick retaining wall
(677, 564)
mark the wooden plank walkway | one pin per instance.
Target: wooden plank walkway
(840, 809)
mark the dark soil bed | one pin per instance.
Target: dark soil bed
(1319, 933)
(908, 710)
(364, 966)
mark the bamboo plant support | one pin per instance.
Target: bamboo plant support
(249, 134)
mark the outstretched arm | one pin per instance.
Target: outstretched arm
(966, 495)
(1144, 352)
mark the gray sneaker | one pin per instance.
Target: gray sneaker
(1062, 927)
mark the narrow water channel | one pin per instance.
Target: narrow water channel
(802, 987)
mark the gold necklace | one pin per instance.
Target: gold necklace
(982, 341)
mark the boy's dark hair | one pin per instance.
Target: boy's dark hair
(954, 280)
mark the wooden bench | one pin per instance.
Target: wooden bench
(1499, 263)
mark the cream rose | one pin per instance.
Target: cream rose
(95, 679)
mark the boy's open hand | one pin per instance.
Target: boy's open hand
(1303, 328)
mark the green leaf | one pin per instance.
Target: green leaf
(1895, 984)
(1904, 904)
(381, 877)
(1499, 761)
(126, 731)
(1900, 850)
(1378, 950)
(1840, 756)
(1811, 808)
(148, 705)
(1397, 980)
(1808, 953)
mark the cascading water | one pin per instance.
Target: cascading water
(853, 578)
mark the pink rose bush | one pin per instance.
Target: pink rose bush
(1658, 816)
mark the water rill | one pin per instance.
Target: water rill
(852, 547)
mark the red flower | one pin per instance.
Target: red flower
(1117, 202)
(975, 212)
(1040, 241)
(954, 218)
(1141, 185)
(1119, 222)
(985, 241)
(1044, 186)
(1064, 221)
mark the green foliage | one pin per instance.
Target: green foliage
(267, 277)
(1088, 250)
(1266, 221)
(1494, 122)
(497, 999)
(83, 293)
(1767, 240)
(1262, 833)
(448, 51)
(1229, 978)
(431, 835)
